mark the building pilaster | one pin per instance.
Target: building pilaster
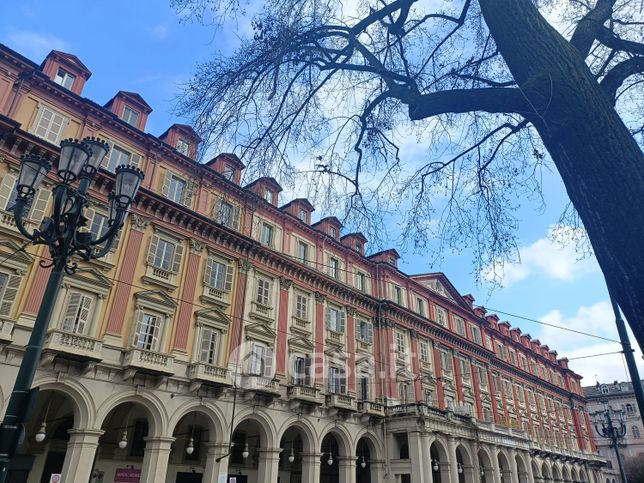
(79, 457)
(155, 459)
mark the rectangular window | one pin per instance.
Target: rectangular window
(302, 215)
(131, 116)
(208, 348)
(361, 281)
(303, 252)
(164, 254)
(302, 371)
(427, 397)
(476, 334)
(225, 214)
(334, 265)
(364, 331)
(302, 307)
(117, 157)
(420, 306)
(500, 350)
(64, 78)
(459, 325)
(267, 234)
(397, 294)
(218, 274)
(177, 189)
(482, 377)
(447, 363)
(50, 124)
(333, 232)
(513, 357)
(260, 362)
(364, 388)
(147, 332)
(337, 380)
(400, 342)
(78, 312)
(424, 351)
(268, 196)
(441, 316)
(520, 393)
(263, 292)
(183, 146)
(229, 172)
(335, 319)
(403, 392)
(466, 371)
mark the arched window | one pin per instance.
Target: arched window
(629, 408)
(604, 390)
(636, 432)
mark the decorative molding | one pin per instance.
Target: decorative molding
(320, 298)
(351, 311)
(138, 222)
(196, 246)
(413, 334)
(244, 265)
(285, 283)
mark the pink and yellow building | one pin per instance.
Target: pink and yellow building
(227, 335)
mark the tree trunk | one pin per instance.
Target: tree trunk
(601, 164)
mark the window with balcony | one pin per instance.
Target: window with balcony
(49, 124)
(208, 347)
(404, 392)
(218, 274)
(263, 292)
(260, 360)
(267, 234)
(441, 316)
(183, 146)
(334, 267)
(64, 78)
(226, 213)
(401, 346)
(364, 331)
(9, 285)
(78, 312)
(165, 254)
(337, 380)
(427, 397)
(148, 329)
(335, 319)
(302, 306)
(459, 325)
(131, 116)
(301, 370)
(363, 391)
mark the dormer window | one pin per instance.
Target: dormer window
(131, 116)
(64, 78)
(392, 261)
(183, 146)
(268, 195)
(229, 172)
(333, 232)
(302, 215)
(359, 247)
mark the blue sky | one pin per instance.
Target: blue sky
(141, 46)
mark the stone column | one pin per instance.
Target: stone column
(513, 463)
(269, 460)
(496, 470)
(213, 468)
(311, 467)
(281, 353)
(347, 469)
(351, 350)
(451, 456)
(529, 466)
(377, 468)
(418, 456)
(155, 459)
(318, 358)
(79, 457)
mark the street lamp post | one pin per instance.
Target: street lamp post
(61, 233)
(610, 424)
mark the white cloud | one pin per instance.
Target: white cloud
(158, 32)
(596, 319)
(545, 257)
(35, 45)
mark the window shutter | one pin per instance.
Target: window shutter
(228, 285)
(307, 370)
(73, 304)
(6, 188)
(268, 362)
(39, 205)
(341, 321)
(358, 327)
(89, 214)
(343, 381)
(84, 317)
(370, 333)
(191, 189)
(236, 217)
(176, 261)
(207, 273)
(10, 293)
(328, 318)
(165, 183)
(152, 251)
(135, 160)
(138, 321)
(205, 344)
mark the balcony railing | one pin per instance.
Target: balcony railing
(6, 330)
(305, 393)
(201, 371)
(160, 276)
(365, 346)
(371, 408)
(149, 361)
(341, 401)
(301, 323)
(261, 311)
(260, 384)
(75, 346)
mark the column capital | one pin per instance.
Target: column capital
(351, 311)
(269, 452)
(159, 440)
(285, 283)
(244, 265)
(196, 246)
(320, 298)
(90, 433)
(138, 222)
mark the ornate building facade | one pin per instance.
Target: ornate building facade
(227, 337)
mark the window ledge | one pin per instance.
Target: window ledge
(215, 295)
